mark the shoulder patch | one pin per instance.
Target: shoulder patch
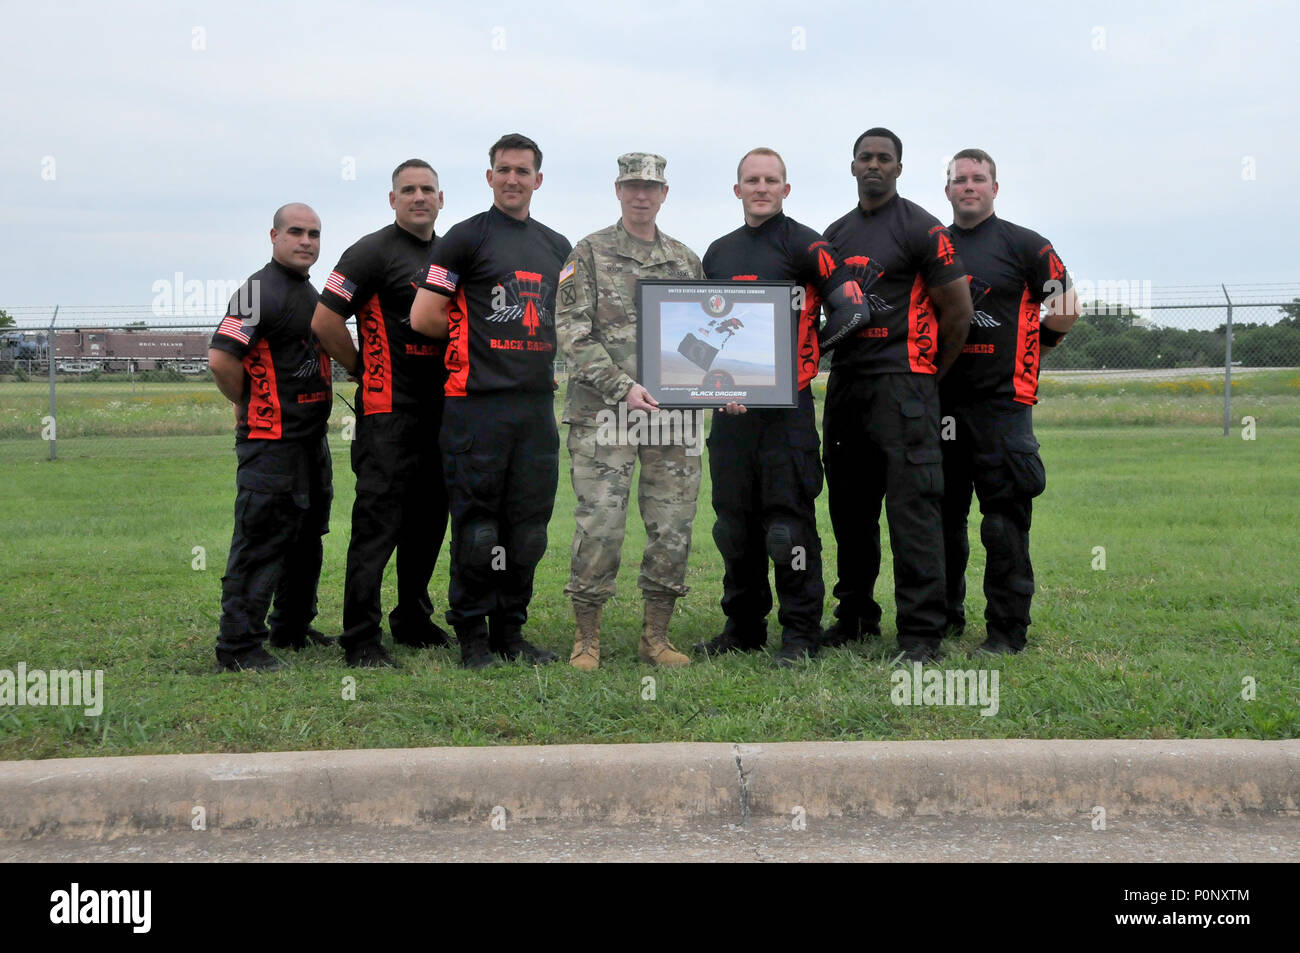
(566, 273)
(944, 252)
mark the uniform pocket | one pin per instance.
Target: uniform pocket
(926, 466)
(455, 443)
(455, 449)
(264, 482)
(804, 448)
(264, 516)
(1026, 466)
(919, 420)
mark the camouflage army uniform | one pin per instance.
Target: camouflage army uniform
(596, 327)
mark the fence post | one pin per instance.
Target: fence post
(49, 355)
(1227, 367)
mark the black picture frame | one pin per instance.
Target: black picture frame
(711, 343)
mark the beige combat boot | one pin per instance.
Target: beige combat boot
(586, 640)
(655, 647)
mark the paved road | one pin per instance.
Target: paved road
(1230, 840)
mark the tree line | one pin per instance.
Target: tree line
(1107, 337)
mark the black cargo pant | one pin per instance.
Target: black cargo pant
(766, 476)
(995, 452)
(882, 441)
(501, 457)
(401, 504)
(282, 509)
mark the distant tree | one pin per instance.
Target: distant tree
(1268, 346)
(1134, 348)
(1073, 354)
(1292, 312)
(1239, 326)
(6, 319)
(1107, 317)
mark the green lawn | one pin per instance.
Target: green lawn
(1272, 398)
(1199, 592)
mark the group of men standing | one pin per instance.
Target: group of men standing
(457, 339)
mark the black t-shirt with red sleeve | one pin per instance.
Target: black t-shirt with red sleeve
(501, 275)
(781, 249)
(375, 280)
(1011, 271)
(894, 252)
(287, 392)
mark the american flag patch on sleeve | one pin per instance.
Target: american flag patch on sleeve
(440, 277)
(566, 273)
(341, 286)
(232, 327)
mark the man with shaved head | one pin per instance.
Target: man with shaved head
(267, 362)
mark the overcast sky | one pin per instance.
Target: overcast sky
(1148, 141)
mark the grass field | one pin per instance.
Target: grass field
(1199, 592)
(103, 408)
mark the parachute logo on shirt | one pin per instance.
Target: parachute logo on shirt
(309, 367)
(529, 287)
(867, 274)
(527, 296)
(978, 290)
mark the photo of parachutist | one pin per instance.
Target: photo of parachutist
(728, 327)
(701, 353)
(697, 352)
(708, 344)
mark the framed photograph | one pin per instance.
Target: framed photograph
(708, 343)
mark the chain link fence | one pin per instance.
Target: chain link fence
(1172, 340)
(111, 372)
(125, 370)
(1162, 357)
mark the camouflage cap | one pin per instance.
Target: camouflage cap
(641, 167)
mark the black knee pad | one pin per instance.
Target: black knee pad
(527, 544)
(1003, 541)
(730, 537)
(480, 539)
(994, 530)
(780, 543)
(1000, 528)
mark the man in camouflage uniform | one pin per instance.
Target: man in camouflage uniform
(596, 324)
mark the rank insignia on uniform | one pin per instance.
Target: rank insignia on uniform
(567, 272)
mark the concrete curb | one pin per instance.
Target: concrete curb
(613, 784)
